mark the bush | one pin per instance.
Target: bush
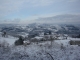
(78, 36)
(19, 41)
(74, 42)
(4, 34)
(71, 42)
(4, 44)
(4, 47)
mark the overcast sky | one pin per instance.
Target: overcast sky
(26, 10)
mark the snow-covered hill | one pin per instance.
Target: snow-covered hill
(40, 28)
(10, 40)
(58, 50)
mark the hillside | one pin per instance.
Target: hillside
(58, 50)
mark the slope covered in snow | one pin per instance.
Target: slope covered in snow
(9, 39)
(58, 50)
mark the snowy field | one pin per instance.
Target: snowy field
(58, 50)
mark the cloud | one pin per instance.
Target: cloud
(40, 2)
(9, 21)
(72, 0)
(65, 18)
(11, 6)
(7, 6)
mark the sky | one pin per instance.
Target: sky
(25, 11)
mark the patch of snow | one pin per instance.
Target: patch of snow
(37, 37)
(8, 39)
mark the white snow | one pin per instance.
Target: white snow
(8, 39)
(40, 51)
(37, 37)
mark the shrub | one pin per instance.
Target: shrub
(74, 42)
(4, 34)
(4, 47)
(4, 44)
(71, 42)
(78, 36)
(19, 41)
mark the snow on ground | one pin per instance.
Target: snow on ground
(8, 39)
(40, 51)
